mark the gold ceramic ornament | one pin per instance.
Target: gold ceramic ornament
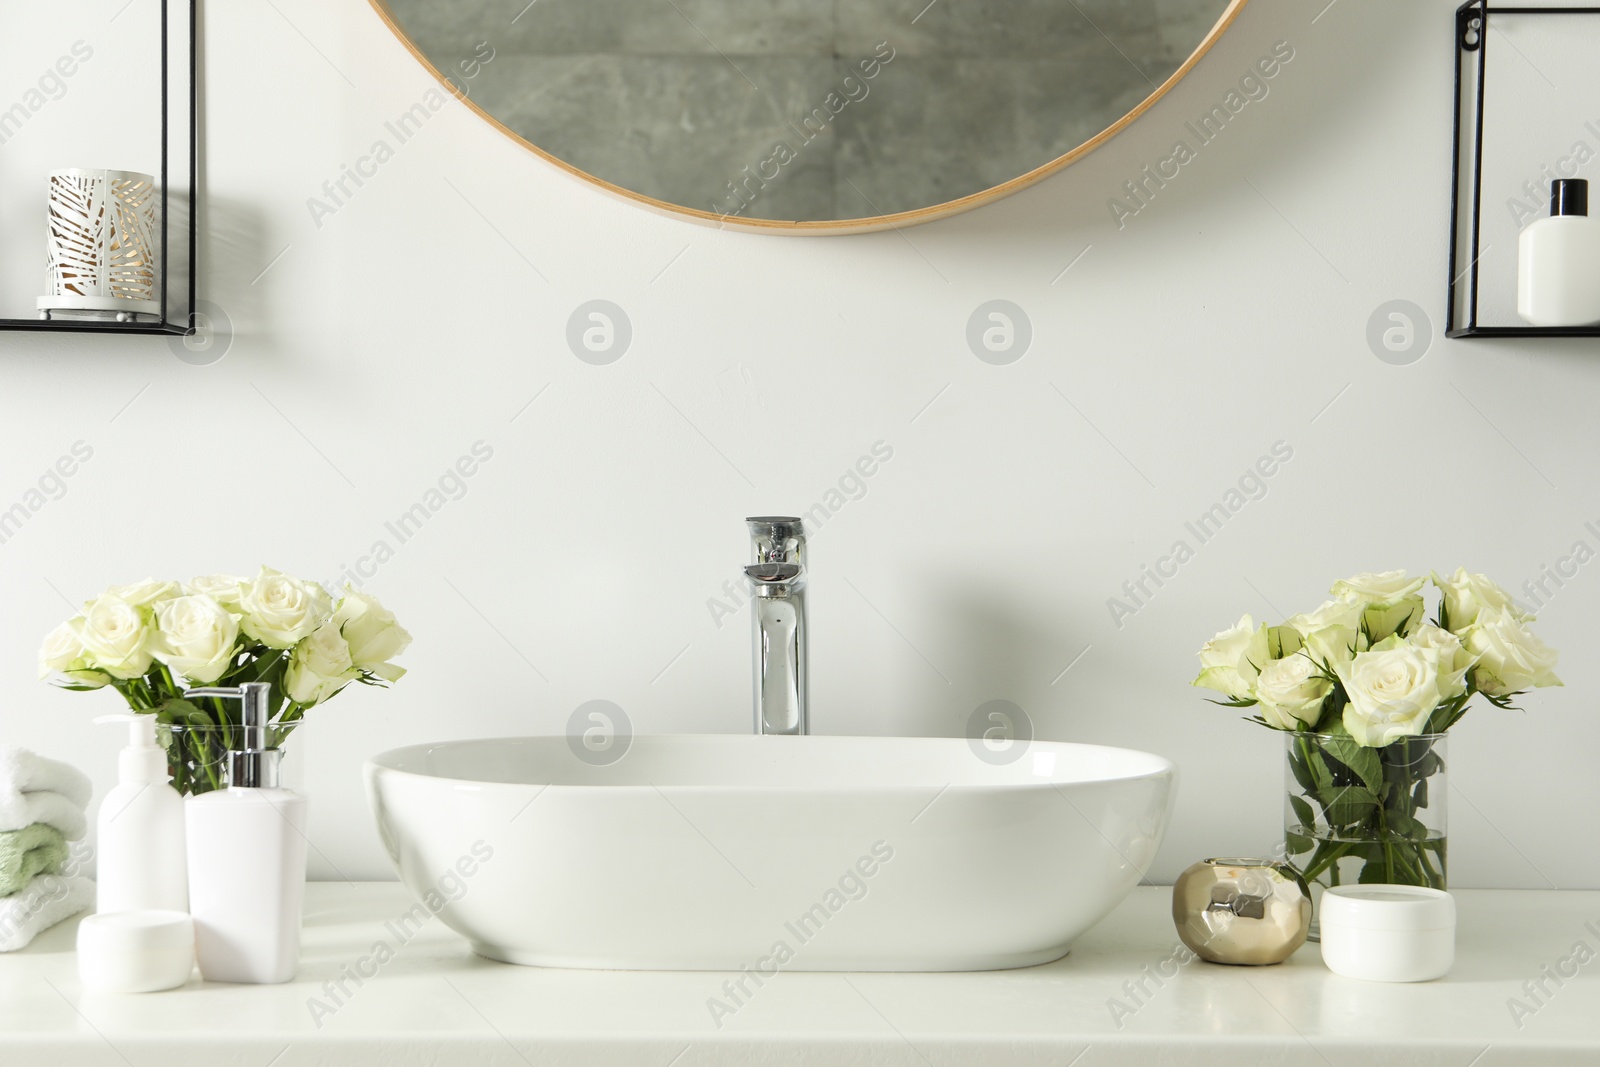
(1246, 911)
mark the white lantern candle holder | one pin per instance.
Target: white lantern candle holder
(102, 245)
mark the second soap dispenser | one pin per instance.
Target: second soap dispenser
(247, 856)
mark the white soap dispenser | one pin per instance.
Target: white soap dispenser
(1558, 261)
(247, 857)
(140, 829)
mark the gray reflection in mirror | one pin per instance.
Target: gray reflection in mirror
(808, 109)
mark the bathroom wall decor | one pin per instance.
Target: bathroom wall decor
(1507, 161)
(1364, 688)
(811, 116)
(118, 246)
(103, 258)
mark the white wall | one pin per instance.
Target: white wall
(368, 354)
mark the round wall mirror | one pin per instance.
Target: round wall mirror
(810, 115)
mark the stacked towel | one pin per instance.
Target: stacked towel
(42, 805)
(38, 790)
(47, 900)
(32, 850)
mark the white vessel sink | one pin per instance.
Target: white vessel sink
(722, 852)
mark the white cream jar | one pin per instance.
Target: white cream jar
(1388, 933)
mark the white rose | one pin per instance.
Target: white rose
(1454, 660)
(319, 666)
(1376, 587)
(1289, 693)
(63, 653)
(1392, 690)
(1341, 612)
(1334, 646)
(1230, 661)
(225, 589)
(280, 611)
(116, 637)
(197, 637)
(1465, 595)
(374, 635)
(1391, 602)
(1331, 634)
(144, 594)
(1510, 659)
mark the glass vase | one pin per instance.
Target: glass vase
(197, 754)
(1365, 815)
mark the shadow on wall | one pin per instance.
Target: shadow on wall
(996, 651)
(230, 247)
(234, 249)
(234, 255)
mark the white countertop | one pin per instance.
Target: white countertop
(435, 1002)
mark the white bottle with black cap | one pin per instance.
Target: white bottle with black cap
(247, 857)
(1558, 261)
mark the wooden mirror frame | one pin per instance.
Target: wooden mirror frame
(895, 221)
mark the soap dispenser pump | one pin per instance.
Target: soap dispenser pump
(247, 856)
(140, 829)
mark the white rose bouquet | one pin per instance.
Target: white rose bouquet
(152, 640)
(1367, 683)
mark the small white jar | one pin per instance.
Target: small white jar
(1388, 933)
(135, 951)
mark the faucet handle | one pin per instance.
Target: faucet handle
(777, 539)
(775, 579)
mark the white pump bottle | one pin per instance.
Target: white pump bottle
(140, 836)
(247, 857)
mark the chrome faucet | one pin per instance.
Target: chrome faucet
(777, 576)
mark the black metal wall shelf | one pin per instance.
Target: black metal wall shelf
(1473, 22)
(179, 181)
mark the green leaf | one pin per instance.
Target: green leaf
(1404, 826)
(1373, 873)
(179, 710)
(1322, 777)
(1303, 812)
(1348, 806)
(1448, 713)
(1302, 773)
(1298, 844)
(1419, 795)
(1364, 762)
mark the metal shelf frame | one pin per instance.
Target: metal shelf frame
(1466, 173)
(180, 43)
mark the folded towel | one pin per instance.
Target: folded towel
(41, 904)
(38, 790)
(23, 772)
(36, 849)
(18, 810)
